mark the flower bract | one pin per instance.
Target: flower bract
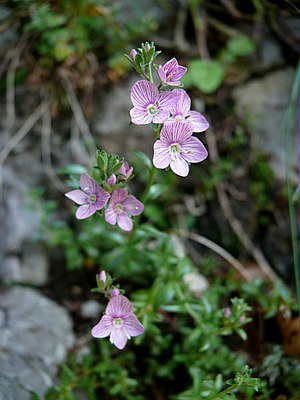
(170, 73)
(177, 148)
(91, 198)
(121, 207)
(150, 105)
(118, 322)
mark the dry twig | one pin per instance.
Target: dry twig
(218, 250)
(234, 222)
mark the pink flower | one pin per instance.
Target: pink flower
(118, 322)
(177, 147)
(133, 54)
(102, 276)
(171, 73)
(121, 207)
(91, 198)
(182, 112)
(125, 170)
(149, 105)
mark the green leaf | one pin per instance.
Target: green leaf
(145, 160)
(71, 169)
(241, 46)
(207, 76)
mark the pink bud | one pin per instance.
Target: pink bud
(133, 54)
(227, 312)
(114, 292)
(112, 180)
(242, 318)
(102, 276)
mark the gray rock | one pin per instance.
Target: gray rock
(263, 103)
(35, 335)
(10, 269)
(91, 309)
(112, 127)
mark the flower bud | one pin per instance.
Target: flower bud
(114, 292)
(133, 54)
(227, 312)
(102, 276)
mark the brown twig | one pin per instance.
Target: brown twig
(79, 117)
(218, 250)
(46, 152)
(18, 136)
(233, 221)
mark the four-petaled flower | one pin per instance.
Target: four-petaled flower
(91, 198)
(177, 147)
(121, 207)
(182, 113)
(170, 73)
(118, 322)
(150, 105)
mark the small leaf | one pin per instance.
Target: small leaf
(207, 76)
(241, 46)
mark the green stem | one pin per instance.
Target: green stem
(225, 391)
(144, 200)
(288, 149)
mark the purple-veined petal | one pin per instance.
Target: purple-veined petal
(78, 196)
(103, 328)
(118, 196)
(167, 100)
(139, 116)
(176, 133)
(110, 215)
(124, 222)
(162, 74)
(88, 184)
(183, 104)
(118, 337)
(143, 93)
(133, 326)
(85, 211)
(171, 66)
(161, 157)
(133, 206)
(179, 166)
(161, 116)
(199, 122)
(119, 307)
(193, 150)
(179, 73)
(102, 198)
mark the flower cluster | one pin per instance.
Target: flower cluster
(119, 321)
(168, 109)
(110, 194)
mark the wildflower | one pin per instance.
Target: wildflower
(227, 312)
(112, 180)
(177, 147)
(91, 198)
(171, 73)
(118, 322)
(121, 207)
(149, 105)
(125, 171)
(182, 112)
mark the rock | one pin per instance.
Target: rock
(263, 103)
(196, 283)
(35, 335)
(112, 128)
(91, 309)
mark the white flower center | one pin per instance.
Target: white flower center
(174, 149)
(118, 322)
(92, 198)
(152, 109)
(118, 208)
(179, 118)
